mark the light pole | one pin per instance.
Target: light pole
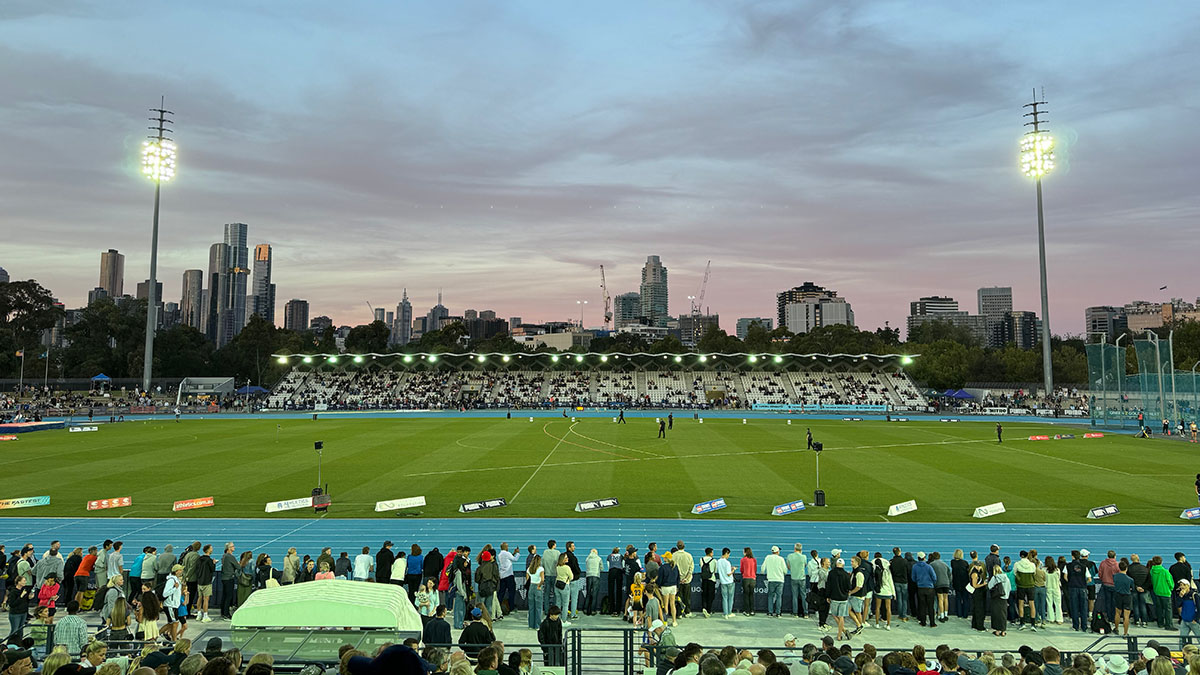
(158, 164)
(581, 304)
(1037, 160)
(1195, 394)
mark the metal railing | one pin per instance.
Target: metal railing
(603, 650)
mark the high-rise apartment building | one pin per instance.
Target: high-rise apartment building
(143, 291)
(436, 315)
(945, 309)
(319, 324)
(295, 315)
(825, 309)
(1021, 329)
(216, 298)
(932, 304)
(627, 307)
(262, 291)
(3, 276)
(402, 333)
(995, 302)
(654, 298)
(96, 294)
(743, 325)
(192, 300)
(112, 273)
(1105, 320)
(487, 314)
(378, 314)
(239, 271)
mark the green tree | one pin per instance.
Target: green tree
(107, 337)
(943, 364)
(182, 351)
(668, 345)
(369, 339)
(448, 339)
(26, 310)
(716, 340)
(247, 357)
(1020, 365)
(933, 331)
(626, 343)
(758, 339)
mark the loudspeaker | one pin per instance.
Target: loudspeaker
(818, 446)
(318, 445)
(818, 498)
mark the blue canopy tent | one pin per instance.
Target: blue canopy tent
(101, 382)
(960, 394)
(101, 378)
(251, 390)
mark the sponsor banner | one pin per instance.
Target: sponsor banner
(471, 507)
(24, 502)
(902, 508)
(320, 406)
(851, 419)
(8, 437)
(118, 502)
(1059, 437)
(1039, 438)
(397, 504)
(1044, 412)
(584, 507)
(289, 504)
(898, 419)
(790, 507)
(989, 510)
(709, 506)
(1103, 512)
(1073, 413)
(1191, 514)
(141, 410)
(1018, 411)
(995, 411)
(1093, 435)
(791, 407)
(189, 504)
(948, 419)
(77, 429)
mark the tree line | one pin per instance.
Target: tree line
(109, 338)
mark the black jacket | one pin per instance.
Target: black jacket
(900, 570)
(550, 632)
(205, 568)
(383, 565)
(573, 563)
(474, 638)
(960, 573)
(1180, 570)
(1140, 575)
(837, 587)
(432, 567)
(437, 632)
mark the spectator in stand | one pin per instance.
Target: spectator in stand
(230, 567)
(687, 569)
(1077, 580)
(475, 634)
(775, 568)
(206, 569)
(1108, 567)
(1187, 599)
(1162, 584)
(725, 581)
(291, 568)
(749, 569)
(591, 566)
(323, 573)
(550, 569)
(508, 580)
(977, 584)
(83, 573)
(414, 570)
(364, 564)
(426, 599)
(882, 575)
(534, 589)
(163, 564)
(837, 590)
(550, 637)
(437, 629)
(924, 578)
(959, 577)
(941, 585)
(575, 588)
(487, 581)
(399, 575)
(900, 579)
(1024, 572)
(999, 589)
(1122, 597)
(797, 564)
(343, 567)
(668, 586)
(383, 563)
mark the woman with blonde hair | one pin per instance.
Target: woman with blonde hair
(56, 659)
(118, 623)
(325, 572)
(114, 594)
(999, 589)
(183, 648)
(526, 665)
(562, 584)
(534, 593)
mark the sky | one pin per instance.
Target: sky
(503, 151)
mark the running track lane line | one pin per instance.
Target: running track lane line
(539, 468)
(291, 532)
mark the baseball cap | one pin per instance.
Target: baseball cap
(774, 549)
(657, 624)
(836, 553)
(789, 638)
(1084, 552)
(486, 556)
(176, 568)
(476, 612)
(394, 659)
(920, 555)
(844, 665)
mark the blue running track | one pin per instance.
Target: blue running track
(309, 535)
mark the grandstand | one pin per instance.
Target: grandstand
(684, 381)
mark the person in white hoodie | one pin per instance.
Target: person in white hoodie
(591, 566)
(775, 567)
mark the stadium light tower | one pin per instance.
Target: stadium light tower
(1037, 160)
(158, 164)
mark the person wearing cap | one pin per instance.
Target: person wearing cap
(1092, 580)
(1186, 599)
(173, 599)
(1077, 579)
(660, 641)
(475, 634)
(970, 666)
(924, 577)
(668, 586)
(17, 662)
(837, 590)
(487, 582)
(775, 567)
(394, 659)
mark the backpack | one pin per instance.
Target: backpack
(1101, 625)
(11, 571)
(706, 570)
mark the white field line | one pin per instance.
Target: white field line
(539, 467)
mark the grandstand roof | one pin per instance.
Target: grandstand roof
(690, 359)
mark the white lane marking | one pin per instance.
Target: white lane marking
(539, 467)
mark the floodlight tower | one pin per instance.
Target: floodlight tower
(1037, 160)
(158, 164)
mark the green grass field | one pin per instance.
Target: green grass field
(544, 467)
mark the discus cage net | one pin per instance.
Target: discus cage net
(1158, 391)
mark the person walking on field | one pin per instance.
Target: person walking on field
(999, 433)
(662, 429)
(808, 433)
(621, 417)
(670, 421)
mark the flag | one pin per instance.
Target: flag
(21, 354)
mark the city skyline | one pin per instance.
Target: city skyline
(516, 129)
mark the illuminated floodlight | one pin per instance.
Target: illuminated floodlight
(1037, 154)
(158, 159)
(408, 358)
(358, 359)
(554, 358)
(906, 360)
(505, 359)
(604, 358)
(331, 359)
(753, 358)
(579, 358)
(432, 358)
(482, 358)
(282, 359)
(703, 358)
(678, 358)
(778, 359)
(308, 359)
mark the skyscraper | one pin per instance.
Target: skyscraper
(945, 309)
(239, 270)
(826, 308)
(433, 320)
(404, 320)
(216, 298)
(112, 273)
(1105, 320)
(627, 307)
(379, 314)
(261, 289)
(995, 302)
(192, 300)
(654, 292)
(143, 290)
(3, 276)
(295, 315)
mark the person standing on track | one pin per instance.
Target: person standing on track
(662, 429)
(999, 433)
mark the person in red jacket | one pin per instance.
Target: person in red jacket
(749, 569)
(444, 577)
(48, 593)
(83, 573)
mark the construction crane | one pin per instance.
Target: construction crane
(608, 315)
(699, 299)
